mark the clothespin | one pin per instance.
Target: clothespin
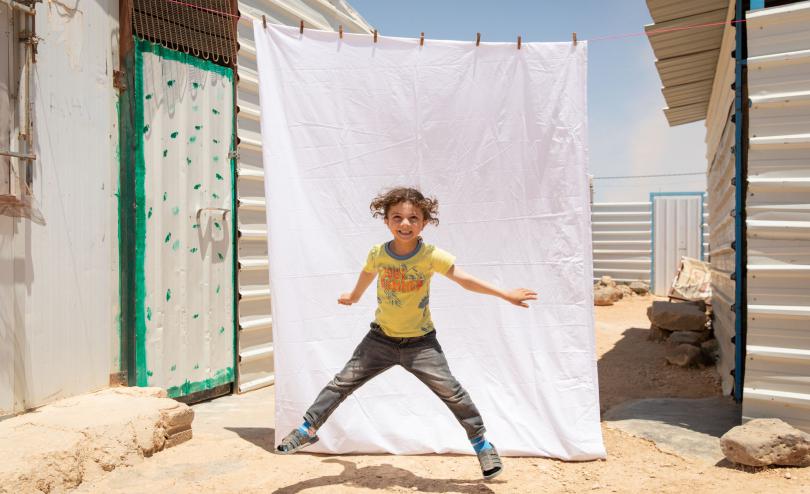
(477, 39)
(301, 27)
(422, 39)
(519, 40)
(264, 21)
(375, 35)
(574, 38)
(340, 31)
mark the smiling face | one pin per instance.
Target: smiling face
(406, 222)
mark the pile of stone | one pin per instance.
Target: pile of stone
(763, 442)
(607, 292)
(685, 327)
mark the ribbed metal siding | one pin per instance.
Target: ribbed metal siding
(621, 240)
(255, 320)
(777, 377)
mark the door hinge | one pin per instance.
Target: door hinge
(120, 80)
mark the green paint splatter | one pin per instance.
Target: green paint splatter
(175, 134)
(193, 250)
(197, 186)
(145, 129)
(215, 195)
(198, 127)
(149, 373)
(216, 141)
(176, 245)
(216, 158)
(165, 196)
(196, 366)
(192, 139)
(149, 213)
(148, 96)
(195, 85)
(175, 210)
(195, 108)
(216, 224)
(174, 367)
(218, 288)
(196, 316)
(214, 111)
(195, 225)
(170, 83)
(219, 177)
(221, 329)
(221, 257)
(168, 294)
(188, 160)
(168, 237)
(165, 152)
(148, 313)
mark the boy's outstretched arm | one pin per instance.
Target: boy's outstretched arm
(518, 296)
(363, 281)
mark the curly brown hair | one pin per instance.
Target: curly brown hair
(382, 203)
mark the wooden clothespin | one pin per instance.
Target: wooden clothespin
(422, 39)
(340, 31)
(264, 21)
(301, 27)
(477, 39)
(574, 38)
(375, 35)
(519, 41)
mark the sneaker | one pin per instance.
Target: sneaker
(491, 465)
(294, 441)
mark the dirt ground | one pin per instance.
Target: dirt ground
(226, 456)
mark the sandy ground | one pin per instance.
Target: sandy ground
(232, 447)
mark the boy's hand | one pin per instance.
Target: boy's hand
(346, 299)
(519, 296)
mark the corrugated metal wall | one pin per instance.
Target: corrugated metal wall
(777, 376)
(720, 190)
(622, 240)
(255, 350)
(59, 281)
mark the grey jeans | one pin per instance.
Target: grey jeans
(421, 356)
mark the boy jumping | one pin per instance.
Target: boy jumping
(402, 332)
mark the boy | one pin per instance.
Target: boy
(402, 332)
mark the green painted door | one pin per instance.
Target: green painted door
(182, 282)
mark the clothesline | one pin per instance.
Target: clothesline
(609, 37)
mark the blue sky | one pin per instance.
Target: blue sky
(628, 132)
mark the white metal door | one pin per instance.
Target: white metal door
(677, 231)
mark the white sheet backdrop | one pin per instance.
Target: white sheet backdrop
(499, 136)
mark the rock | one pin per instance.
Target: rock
(684, 356)
(688, 337)
(626, 290)
(762, 442)
(602, 296)
(711, 350)
(615, 293)
(677, 316)
(607, 281)
(640, 287)
(658, 334)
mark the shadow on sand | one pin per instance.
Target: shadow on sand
(263, 437)
(384, 477)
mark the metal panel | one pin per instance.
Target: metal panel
(777, 376)
(687, 57)
(255, 349)
(185, 261)
(677, 231)
(621, 240)
(58, 281)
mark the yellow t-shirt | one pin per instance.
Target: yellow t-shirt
(403, 287)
